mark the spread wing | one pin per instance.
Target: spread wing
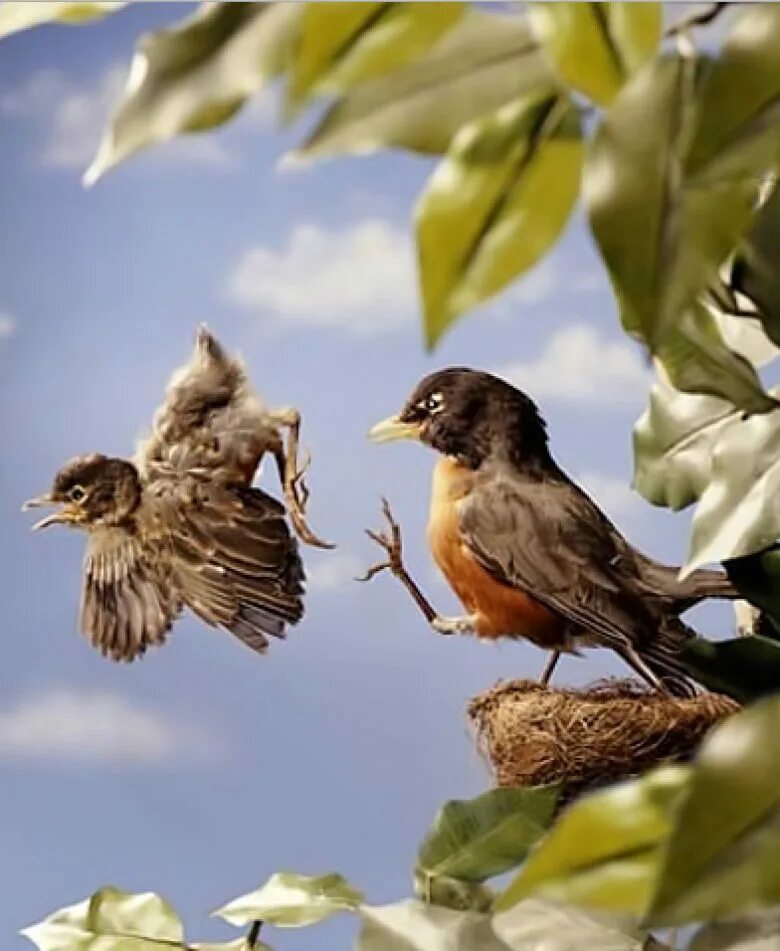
(126, 605)
(550, 540)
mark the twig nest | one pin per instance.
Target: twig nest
(584, 738)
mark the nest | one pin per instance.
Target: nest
(534, 735)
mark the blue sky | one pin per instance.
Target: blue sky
(201, 770)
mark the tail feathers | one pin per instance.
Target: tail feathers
(708, 584)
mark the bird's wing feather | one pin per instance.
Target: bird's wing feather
(551, 541)
(125, 604)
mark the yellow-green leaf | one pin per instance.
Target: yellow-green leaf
(15, 17)
(595, 47)
(197, 75)
(486, 60)
(495, 205)
(111, 920)
(605, 850)
(343, 44)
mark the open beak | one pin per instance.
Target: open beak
(393, 428)
(65, 516)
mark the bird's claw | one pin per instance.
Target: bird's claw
(391, 543)
(297, 496)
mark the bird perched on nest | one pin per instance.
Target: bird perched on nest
(526, 551)
(181, 525)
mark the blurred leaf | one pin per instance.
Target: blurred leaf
(15, 17)
(486, 60)
(413, 926)
(744, 668)
(197, 75)
(535, 925)
(111, 920)
(732, 518)
(239, 944)
(760, 932)
(288, 900)
(342, 44)
(673, 444)
(604, 851)
(595, 46)
(757, 578)
(722, 860)
(477, 839)
(663, 242)
(697, 360)
(495, 204)
(452, 892)
(738, 134)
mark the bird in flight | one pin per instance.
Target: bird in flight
(526, 551)
(181, 525)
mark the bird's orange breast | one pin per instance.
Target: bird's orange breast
(500, 610)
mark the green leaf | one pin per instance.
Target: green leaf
(477, 839)
(732, 518)
(197, 75)
(757, 578)
(486, 60)
(697, 360)
(495, 205)
(413, 926)
(453, 892)
(744, 668)
(15, 17)
(111, 920)
(604, 851)
(288, 900)
(535, 925)
(759, 932)
(722, 860)
(738, 134)
(662, 239)
(673, 444)
(594, 47)
(343, 44)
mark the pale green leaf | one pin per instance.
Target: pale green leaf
(111, 920)
(495, 205)
(197, 75)
(722, 860)
(479, 838)
(15, 17)
(663, 239)
(343, 44)
(733, 518)
(414, 926)
(759, 932)
(288, 900)
(535, 925)
(604, 851)
(486, 60)
(594, 47)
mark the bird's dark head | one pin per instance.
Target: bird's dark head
(91, 490)
(471, 416)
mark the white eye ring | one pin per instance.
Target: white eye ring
(77, 494)
(433, 403)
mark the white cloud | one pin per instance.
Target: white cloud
(579, 364)
(7, 325)
(360, 278)
(615, 496)
(333, 571)
(73, 117)
(89, 727)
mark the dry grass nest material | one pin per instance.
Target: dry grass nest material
(584, 738)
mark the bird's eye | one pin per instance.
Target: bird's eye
(77, 494)
(432, 403)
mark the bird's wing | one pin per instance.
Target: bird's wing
(551, 541)
(126, 606)
(234, 561)
(210, 422)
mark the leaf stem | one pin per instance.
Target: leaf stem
(253, 935)
(702, 18)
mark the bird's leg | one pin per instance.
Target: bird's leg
(632, 658)
(291, 475)
(393, 546)
(549, 667)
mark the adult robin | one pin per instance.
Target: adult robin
(526, 551)
(181, 525)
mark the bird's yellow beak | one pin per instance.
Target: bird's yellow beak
(67, 515)
(393, 428)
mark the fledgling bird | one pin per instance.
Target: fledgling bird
(526, 551)
(181, 525)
